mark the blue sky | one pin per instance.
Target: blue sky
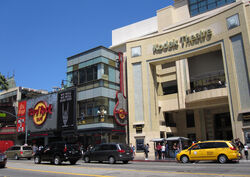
(36, 36)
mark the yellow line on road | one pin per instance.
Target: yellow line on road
(165, 172)
(64, 173)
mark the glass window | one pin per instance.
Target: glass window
(233, 21)
(197, 7)
(169, 87)
(82, 74)
(139, 144)
(89, 72)
(136, 51)
(220, 145)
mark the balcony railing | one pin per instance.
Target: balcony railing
(94, 120)
(207, 83)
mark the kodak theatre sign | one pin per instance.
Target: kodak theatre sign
(184, 41)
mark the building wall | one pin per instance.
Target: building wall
(222, 39)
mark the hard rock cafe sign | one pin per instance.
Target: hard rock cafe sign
(40, 112)
(120, 110)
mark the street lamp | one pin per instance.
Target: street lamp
(102, 113)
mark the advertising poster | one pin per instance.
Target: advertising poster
(66, 109)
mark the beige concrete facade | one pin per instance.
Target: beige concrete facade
(189, 53)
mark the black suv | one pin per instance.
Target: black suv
(110, 152)
(56, 153)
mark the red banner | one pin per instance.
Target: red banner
(21, 109)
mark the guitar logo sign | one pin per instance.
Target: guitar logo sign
(120, 110)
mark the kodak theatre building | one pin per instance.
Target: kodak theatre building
(188, 72)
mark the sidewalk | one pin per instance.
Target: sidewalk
(141, 159)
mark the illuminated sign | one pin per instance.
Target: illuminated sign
(184, 41)
(40, 112)
(2, 114)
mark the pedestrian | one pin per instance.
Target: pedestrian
(133, 149)
(34, 149)
(146, 151)
(163, 151)
(158, 148)
(240, 145)
(246, 150)
(175, 149)
(166, 150)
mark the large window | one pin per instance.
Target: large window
(169, 87)
(88, 74)
(197, 7)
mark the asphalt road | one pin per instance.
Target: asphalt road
(26, 168)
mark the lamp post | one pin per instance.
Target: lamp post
(102, 113)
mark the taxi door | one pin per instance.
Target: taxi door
(209, 151)
(196, 153)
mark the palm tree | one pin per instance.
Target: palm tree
(3, 83)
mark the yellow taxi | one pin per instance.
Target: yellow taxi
(222, 151)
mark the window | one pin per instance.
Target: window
(220, 145)
(233, 21)
(136, 51)
(190, 119)
(169, 87)
(87, 74)
(169, 119)
(197, 7)
(139, 144)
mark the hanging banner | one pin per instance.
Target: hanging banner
(66, 109)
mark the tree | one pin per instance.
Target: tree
(3, 83)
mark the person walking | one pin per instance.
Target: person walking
(246, 150)
(146, 151)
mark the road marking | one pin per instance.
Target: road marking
(165, 172)
(64, 173)
(132, 170)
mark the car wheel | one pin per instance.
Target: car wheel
(86, 159)
(125, 161)
(16, 157)
(184, 159)
(29, 158)
(2, 166)
(73, 162)
(111, 160)
(57, 160)
(37, 159)
(222, 158)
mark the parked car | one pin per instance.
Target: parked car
(3, 160)
(221, 151)
(59, 152)
(110, 152)
(19, 151)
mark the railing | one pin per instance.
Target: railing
(93, 120)
(207, 83)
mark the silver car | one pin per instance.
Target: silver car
(19, 151)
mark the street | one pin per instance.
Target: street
(27, 168)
